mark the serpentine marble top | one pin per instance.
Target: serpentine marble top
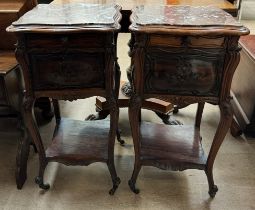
(69, 14)
(182, 15)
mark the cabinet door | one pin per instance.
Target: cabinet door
(67, 70)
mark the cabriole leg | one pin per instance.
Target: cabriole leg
(134, 119)
(115, 179)
(114, 119)
(30, 122)
(226, 114)
(133, 179)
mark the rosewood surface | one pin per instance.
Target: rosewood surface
(182, 62)
(73, 60)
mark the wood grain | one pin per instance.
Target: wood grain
(77, 142)
(175, 147)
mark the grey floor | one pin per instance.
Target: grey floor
(87, 187)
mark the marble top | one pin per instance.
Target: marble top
(182, 15)
(72, 14)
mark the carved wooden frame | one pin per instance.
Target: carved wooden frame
(138, 52)
(108, 91)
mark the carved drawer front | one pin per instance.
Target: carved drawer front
(187, 41)
(70, 70)
(60, 40)
(183, 74)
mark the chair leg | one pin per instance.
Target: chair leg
(200, 108)
(39, 179)
(56, 110)
(166, 119)
(235, 129)
(122, 142)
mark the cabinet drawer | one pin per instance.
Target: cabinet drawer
(72, 70)
(60, 40)
(189, 41)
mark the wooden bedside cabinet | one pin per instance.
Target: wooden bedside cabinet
(182, 55)
(67, 54)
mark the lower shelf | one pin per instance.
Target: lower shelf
(79, 142)
(175, 147)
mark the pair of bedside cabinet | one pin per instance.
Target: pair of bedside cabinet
(179, 54)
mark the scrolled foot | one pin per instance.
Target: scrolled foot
(132, 187)
(122, 142)
(166, 119)
(116, 183)
(212, 192)
(100, 115)
(39, 181)
(92, 117)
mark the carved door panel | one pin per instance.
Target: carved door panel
(198, 72)
(67, 70)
